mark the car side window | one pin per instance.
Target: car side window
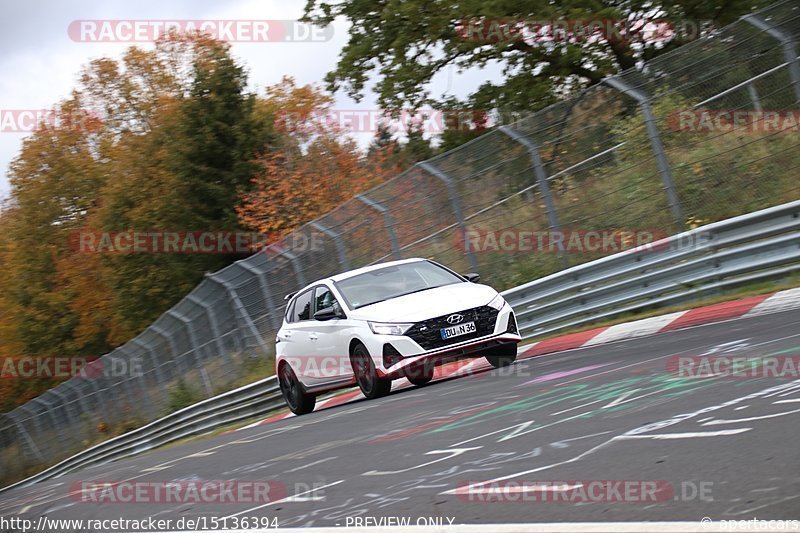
(302, 307)
(323, 297)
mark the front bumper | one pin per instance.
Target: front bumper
(409, 366)
(412, 356)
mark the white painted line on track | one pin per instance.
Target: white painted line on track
(288, 498)
(312, 464)
(688, 435)
(751, 419)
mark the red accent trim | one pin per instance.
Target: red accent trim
(714, 313)
(344, 398)
(275, 418)
(566, 342)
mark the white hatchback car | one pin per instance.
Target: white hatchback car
(383, 322)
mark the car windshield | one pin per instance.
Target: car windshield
(394, 281)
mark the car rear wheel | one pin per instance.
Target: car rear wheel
(299, 401)
(370, 383)
(503, 355)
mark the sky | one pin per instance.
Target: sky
(41, 62)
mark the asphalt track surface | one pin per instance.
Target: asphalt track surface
(718, 447)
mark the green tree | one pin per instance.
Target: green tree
(406, 43)
(185, 175)
(462, 123)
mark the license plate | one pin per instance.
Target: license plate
(461, 329)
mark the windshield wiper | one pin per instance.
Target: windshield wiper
(420, 290)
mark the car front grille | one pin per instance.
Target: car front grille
(428, 333)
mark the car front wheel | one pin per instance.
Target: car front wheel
(370, 383)
(421, 375)
(299, 401)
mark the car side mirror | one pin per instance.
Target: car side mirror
(473, 277)
(326, 313)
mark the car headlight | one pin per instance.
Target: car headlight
(389, 328)
(497, 302)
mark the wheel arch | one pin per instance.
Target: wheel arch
(355, 341)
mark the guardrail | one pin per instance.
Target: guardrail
(203, 417)
(760, 245)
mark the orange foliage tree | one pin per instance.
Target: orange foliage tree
(315, 168)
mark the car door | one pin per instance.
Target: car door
(298, 349)
(330, 341)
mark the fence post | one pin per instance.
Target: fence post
(34, 416)
(212, 318)
(121, 381)
(298, 271)
(542, 182)
(195, 347)
(163, 334)
(140, 380)
(456, 203)
(78, 394)
(238, 307)
(789, 49)
(69, 408)
(388, 222)
(26, 437)
(101, 406)
(337, 241)
(48, 409)
(155, 363)
(753, 92)
(176, 359)
(264, 284)
(657, 146)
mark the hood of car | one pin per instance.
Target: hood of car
(427, 304)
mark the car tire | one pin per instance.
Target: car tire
(503, 355)
(421, 376)
(297, 399)
(371, 384)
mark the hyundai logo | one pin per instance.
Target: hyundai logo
(454, 319)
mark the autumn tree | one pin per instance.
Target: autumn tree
(315, 168)
(162, 139)
(184, 175)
